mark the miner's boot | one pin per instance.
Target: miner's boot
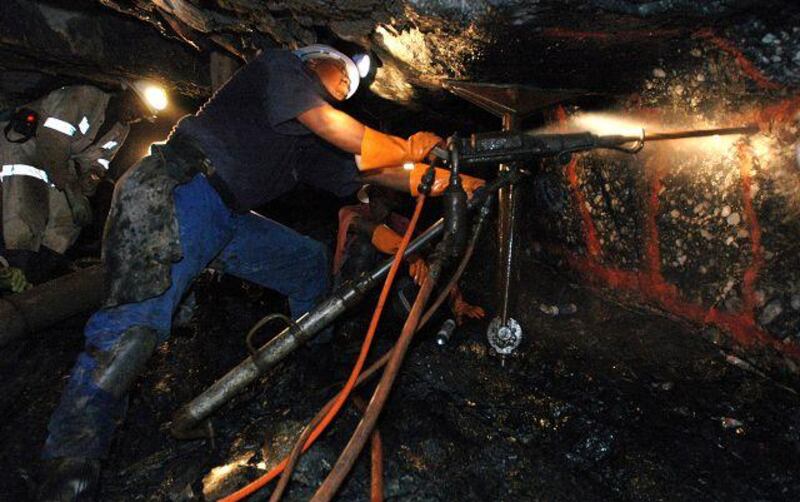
(70, 479)
(91, 406)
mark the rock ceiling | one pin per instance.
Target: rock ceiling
(600, 45)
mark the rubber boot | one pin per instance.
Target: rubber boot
(117, 368)
(87, 415)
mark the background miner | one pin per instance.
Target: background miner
(53, 154)
(373, 228)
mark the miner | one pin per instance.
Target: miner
(375, 226)
(187, 206)
(53, 154)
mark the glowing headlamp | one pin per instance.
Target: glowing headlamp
(156, 97)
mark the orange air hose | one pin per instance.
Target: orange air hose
(381, 362)
(376, 458)
(368, 421)
(376, 471)
(334, 408)
(347, 459)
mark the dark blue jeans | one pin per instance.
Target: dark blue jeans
(244, 245)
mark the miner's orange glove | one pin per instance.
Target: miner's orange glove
(417, 269)
(380, 150)
(441, 180)
(462, 309)
(386, 240)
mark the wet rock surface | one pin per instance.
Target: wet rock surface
(703, 229)
(569, 44)
(607, 403)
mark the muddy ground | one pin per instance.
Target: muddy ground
(607, 404)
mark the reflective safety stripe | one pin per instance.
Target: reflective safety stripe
(83, 125)
(110, 145)
(60, 126)
(104, 163)
(23, 170)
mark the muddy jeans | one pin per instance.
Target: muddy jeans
(244, 245)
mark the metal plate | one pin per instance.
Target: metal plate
(504, 339)
(515, 99)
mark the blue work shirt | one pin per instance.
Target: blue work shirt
(250, 132)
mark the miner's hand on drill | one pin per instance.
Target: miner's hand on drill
(380, 156)
(441, 180)
(388, 241)
(379, 150)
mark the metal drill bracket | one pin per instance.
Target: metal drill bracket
(511, 103)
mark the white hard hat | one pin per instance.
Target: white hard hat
(325, 51)
(151, 93)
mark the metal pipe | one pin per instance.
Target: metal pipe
(722, 131)
(506, 232)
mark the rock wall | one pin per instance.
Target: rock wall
(703, 229)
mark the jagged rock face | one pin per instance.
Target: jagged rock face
(704, 229)
(595, 45)
(570, 43)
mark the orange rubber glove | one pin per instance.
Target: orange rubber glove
(379, 150)
(462, 309)
(386, 240)
(417, 269)
(441, 180)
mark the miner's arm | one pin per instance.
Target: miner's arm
(334, 126)
(53, 150)
(376, 149)
(54, 138)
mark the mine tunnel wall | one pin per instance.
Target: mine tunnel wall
(707, 231)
